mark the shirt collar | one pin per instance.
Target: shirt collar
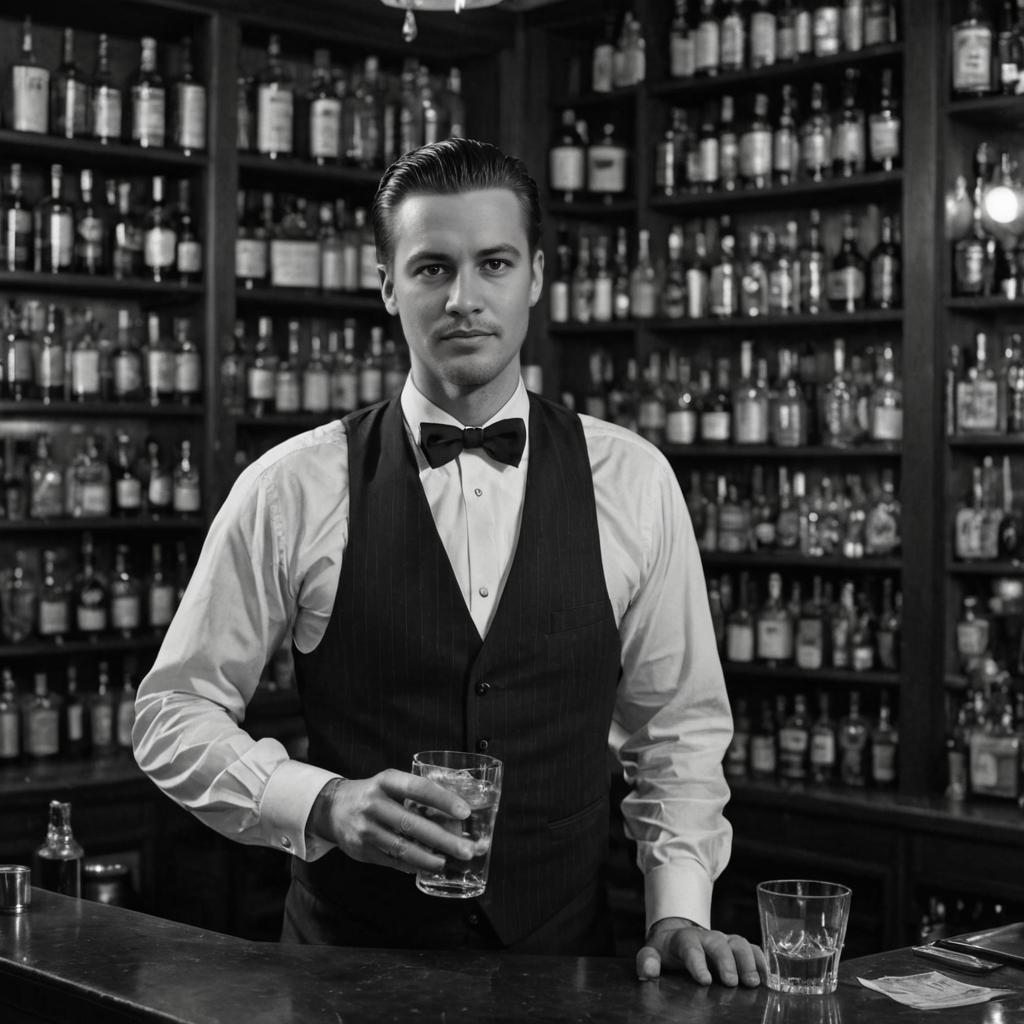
(418, 409)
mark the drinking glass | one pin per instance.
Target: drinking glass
(803, 924)
(477, 779)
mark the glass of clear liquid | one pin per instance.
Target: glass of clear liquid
(477, 779)
(803, 925)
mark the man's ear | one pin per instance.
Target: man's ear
(387, 290)
(536, 276)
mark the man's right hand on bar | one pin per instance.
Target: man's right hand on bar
(380, 821)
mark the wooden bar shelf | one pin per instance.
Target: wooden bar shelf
(776, 453)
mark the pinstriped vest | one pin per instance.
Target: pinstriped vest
(402, 668)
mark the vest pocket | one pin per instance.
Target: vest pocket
(565, 619)
(582, 816)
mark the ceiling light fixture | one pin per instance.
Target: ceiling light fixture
(409, 29)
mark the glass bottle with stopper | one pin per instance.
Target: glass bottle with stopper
(57, 865)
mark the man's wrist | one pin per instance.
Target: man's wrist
(671, 923)
(319, 821)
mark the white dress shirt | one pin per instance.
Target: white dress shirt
(269, 570)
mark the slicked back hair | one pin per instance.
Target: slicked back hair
(451, 167)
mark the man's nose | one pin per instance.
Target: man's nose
(464, 295)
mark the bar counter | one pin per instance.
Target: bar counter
(68, 961)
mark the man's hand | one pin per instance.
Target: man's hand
(382, 821)
(673, 943)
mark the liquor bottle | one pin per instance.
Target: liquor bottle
(786, 140)
(127, 236)
(85, 381)
(787, 521)
(160, 597)
(810, 642)
(846, 281)
(324, 112)
(127, 500)
(980, 401)
(716, 407)
(682, 44)
(763, 514)
(54, 615)
(92, 230)
(159, 237)
(839, 426)
(886, 402)
(750, 402)
(232, 372)
(827, 29)
(975, 255)
(332, 251)
(673, 290)
(816, 137)
(188, 94)
(681, 420)
(774, 626)
(756, 146)
(148, 100)
(882, 531)
(371, 370)
(158, 359)
(187, 364)
(18, 602)
(763, 28)
(55, 228)
(763, 752)
(723, 280)
(786, 33)
(972, 51)
(188, 249)
(27, 106)
(16, 225)
(260, 373)
(812, 268)
(51, 382)
(107, 100)
(651, 402)
(367, 137)
(862, 641)
(707, 46)
(728, 146)
(885, 271)
(643, 281)
(581, 285)
(125, 712)
(794, 742)
(72, 737)
(57, 864)
(252, 251)
(734, 521)
(567, 160)
(885, 127)
(852, 740)
(879, 23)
(737, 756)
(852, 25)
(707, 162)
(90, 595)
(671, 154)
(41, 721)
(753, 283)
(126, 360)
(884, 746)
(10, 719)
(345, 372)
(125, 595)
(994, 756)
(186, 495)
(287, 378)
(698, 279)
(822, 751)
(606, 166)
(1009, 55)
(275, 105)
(890, 627)
(603, 302)
(369, 275)
(739, 629)
(89, 488)
(787, 413)
(316, 379)
(101, 713)
(70, 99)
(849, 149)
(46, 482)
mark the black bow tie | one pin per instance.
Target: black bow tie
(503, 441)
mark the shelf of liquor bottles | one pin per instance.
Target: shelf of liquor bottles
(1003, 111)
(808, 676)
(102, 524)
(146, 643)
(812, 453)
(294, 422)
(308, 301)
(256, 170)
(780, 559)
(115, 156)
(863, 320)
(100, 286)
(984, 304)
(36, 408)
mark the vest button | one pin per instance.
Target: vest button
(482, 746)
(482, 688)
(473, 919)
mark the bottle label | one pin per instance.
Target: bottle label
(785, 151)
(51, 367)
(75, 721)
(732, 43)
(739, 642)
(682, 55)
(189, 257)
(186, 496)
(606, 169)
(332, 269)
(125, 611)
(823, 749)
(603, 300)
(814, 151)
(876, 26)
(804, 32)
(848, 144)
(708, 166)
(191, 116)
(294, 263)
(707, 46)
(762, 755)
(159, 248)
(853, 25)
(43, 733)
(696, 294)
(260, 383)
(810, 642)
(883, 762)
(826, 30)
(371, 386)
(785, 42)
(793, 742)
(750, 422)
(287, 394)
(54, 617)
(161, 605)
(756, 154)
(651, 415)
(977, 407)
(107, 113)
(715, 426)
(972, 58)
(733, 530)
(101, 724)
(160, 371)
(567, 168)
(886, 424)
(316, 392)
(845, 285)
(95, 498)
(325, 129)
(158, 493)
(881, 532)
(61, 241)
(149, 115)
(30, 95)
(91, 615)
(602, 65)
(681, 426)
(91, 235)
(558, 302)
(274, 120)
(885, 273)
(85, 372)
(884, 135)
(762, 39)
(17, 237)
(128, 493)
(344, 391)
(187, 373)
(787, 529)
(774, 640)
(251, 259)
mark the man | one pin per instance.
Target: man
(525, 595)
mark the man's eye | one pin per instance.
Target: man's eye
(496, 265)
(431, 270)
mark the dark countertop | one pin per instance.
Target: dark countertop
(76, 962)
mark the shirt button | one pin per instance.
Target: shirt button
(477, 491)
(482, 688)
(286, 842)
(483, 591)
(482, 746)
(473, 919)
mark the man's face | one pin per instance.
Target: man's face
(462, 281)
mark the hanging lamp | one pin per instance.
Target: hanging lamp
(409, 28)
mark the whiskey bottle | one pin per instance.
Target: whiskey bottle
(51, 382)
(852, 25)
(128, 242)
(27, 106)
(884, 746)
(188, 249)
(70, 99)
(125, 712)
(125, 596)
(885, 271)
(88, 492)
(107, 99)
(324, 112)
(839, 427)
(734, 522)
(739, 629)
(822, 748)
(811, 631)
(816, 137)
(787, 520)
(126, 360)
(16, 225)
(979, 397)
(794, 742)
(763, 27)
(567, 160)
(287, 378)
(888, 634)
(737, 755)
(882, 527)
(57, 864)
(54, 619)
(158, 480)
(606, 166)
(753, 284)
(750, 402)
(18, 602)
(158, 360)
(159, 236)
(708, 148)
(673, 290)
(41, 721)
(787, 411)
(188, 364)
(886, 402)
(345, 372)
(252, 251)
(756, 147)
(681, 421)
(723, 280)
(975, 255)
(10, 719)
(643, 281)
(827, 29)
(774, 626)
(1009, 55)
(728, 146)
(160, 598)
(186, 497)
(716, 407)
(651, 403)
(316, 379)
(852, 739)
(763, 752)
(55, 228)
(707, 46)
(812, 268)
(682, 44)
(275, 105)
(148, 100)
(698, 279)
(102, 716)
(260, 373)
(786, 32)
(46, 482)
(846, 281)
(371, 370)
(732, 37)
(603, 302)
(786, 141)
(848, 141)
(92, 229)
(127, 498)
(972, 52)
(885, 128)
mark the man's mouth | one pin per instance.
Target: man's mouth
(466, 334)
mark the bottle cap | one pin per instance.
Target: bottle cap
(15, 888)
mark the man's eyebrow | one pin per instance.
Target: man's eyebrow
(436, 256)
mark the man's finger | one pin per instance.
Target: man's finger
(648, 964)
(405, 786)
